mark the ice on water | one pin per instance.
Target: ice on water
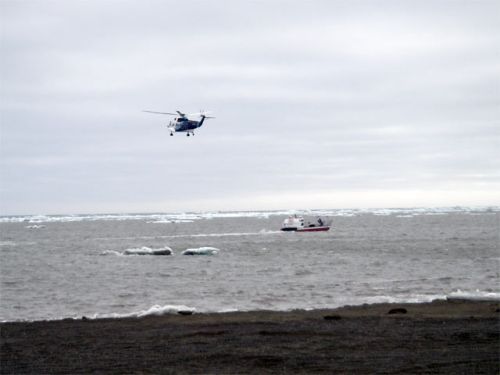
(188, 217)
(205, 250)
(144, 250)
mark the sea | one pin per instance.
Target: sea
(126, 265)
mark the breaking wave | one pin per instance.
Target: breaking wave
(7, 243)
(476, 295)
(141, 251)
(170, 221)
(201, 251)
(156, 310)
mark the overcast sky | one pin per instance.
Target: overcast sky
(319, 104)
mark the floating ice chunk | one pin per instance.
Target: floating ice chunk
(201, 251)
(141, 251)
(148, 251)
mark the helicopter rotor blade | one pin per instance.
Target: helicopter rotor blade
(179, 113)
(202, 113)
(161, 113)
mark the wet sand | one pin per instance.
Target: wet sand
(445, 337)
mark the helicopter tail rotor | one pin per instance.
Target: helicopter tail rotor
(203, 114)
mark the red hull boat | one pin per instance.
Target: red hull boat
(297, 224)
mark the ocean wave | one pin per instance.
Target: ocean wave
(158, 310)
(476, 295)
(171, 221)
(35, 226)
(263, 231)
(206, 250)
(228, 234)
(141, 251)
(155, 310)
(415, 298)
(7, 243)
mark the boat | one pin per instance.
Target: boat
(296, 223)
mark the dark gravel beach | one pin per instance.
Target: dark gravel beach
(452, 337)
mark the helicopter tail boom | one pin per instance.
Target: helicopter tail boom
(203, 117)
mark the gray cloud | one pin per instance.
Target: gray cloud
(318, 103)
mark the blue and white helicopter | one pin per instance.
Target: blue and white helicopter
(181, 123)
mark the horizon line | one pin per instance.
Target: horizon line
(482, 207)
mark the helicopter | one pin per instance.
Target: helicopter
(181, 122)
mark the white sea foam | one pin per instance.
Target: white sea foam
(7, 243)
(230, 234)
(171, 221)
(476, 295)
(154, 310)
(206, 250)
(35, 226)
(414, 298)
(263, 231)
(112, 252)
(141, 251)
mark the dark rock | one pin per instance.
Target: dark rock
(332, 317)
(399, 310)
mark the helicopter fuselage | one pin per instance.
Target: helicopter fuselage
(182, 124)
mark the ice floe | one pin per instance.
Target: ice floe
(141, 251)
(201, 251)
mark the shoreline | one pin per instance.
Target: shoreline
(443, 336)
(157, 310)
